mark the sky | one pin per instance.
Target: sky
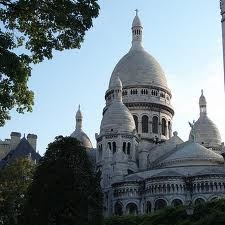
(185, 38)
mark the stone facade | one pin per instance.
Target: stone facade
(145, 166)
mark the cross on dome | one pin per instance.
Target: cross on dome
(136, 10)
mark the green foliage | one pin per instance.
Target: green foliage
(65, 190)
(211, 213)
(15, 179)
(39, 27)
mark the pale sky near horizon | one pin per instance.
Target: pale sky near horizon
(184, 37)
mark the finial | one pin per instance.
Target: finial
(79, 107)
(136, 10)
(24, 135)
(202, 91)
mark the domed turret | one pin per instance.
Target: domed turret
(205, 131)
(117, 135)
(79, 133)
(117, 118)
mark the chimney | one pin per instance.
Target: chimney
(32, 139)
(15, 140)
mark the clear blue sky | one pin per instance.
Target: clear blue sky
(184, 36)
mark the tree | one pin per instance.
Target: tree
(29, 32)
(14, 181)
(65, 189)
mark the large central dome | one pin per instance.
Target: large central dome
(138, 67)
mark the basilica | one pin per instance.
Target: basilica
(146, 166)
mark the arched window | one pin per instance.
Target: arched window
(164, 128)
(148, 207)
(132, 209)
(176, 202)
(124, 147)
(160, 204)
(155, 124)
(118, 209)
(128, 148)
(136, 121)
(109, 145)
(144, 123)
(114, 147)
(199, 201)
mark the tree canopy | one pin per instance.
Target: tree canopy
(15, 179)
(29, 32)
(65, 189)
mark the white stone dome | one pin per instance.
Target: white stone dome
(138, 67)
(206, 132)
(191, 153)
(82, 137)
(117, 118)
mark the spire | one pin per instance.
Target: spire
(79, 118)
(202, 104)
(136, 32)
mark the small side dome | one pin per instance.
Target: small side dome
(117, 118)
(82, 137)
(207, 133)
